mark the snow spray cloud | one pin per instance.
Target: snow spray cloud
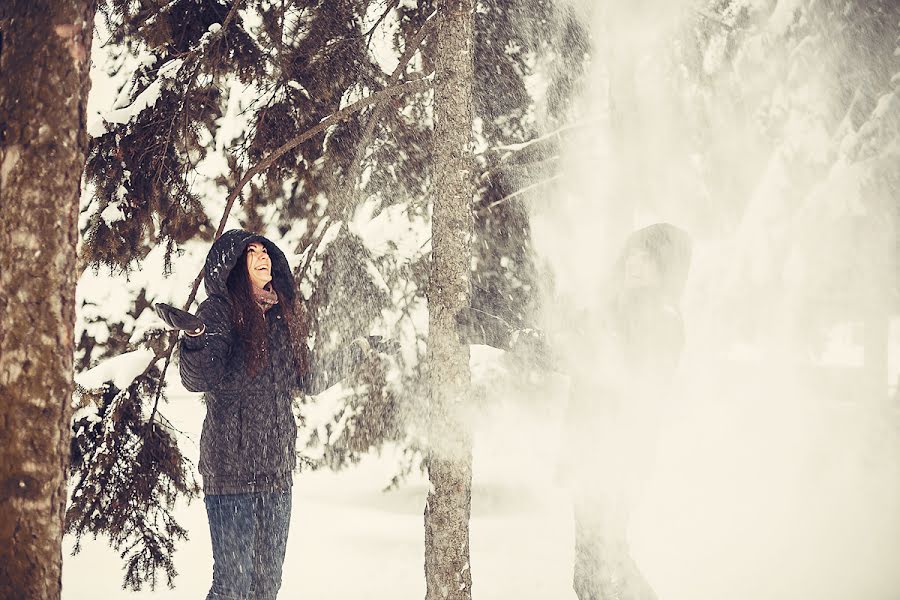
(768, 130)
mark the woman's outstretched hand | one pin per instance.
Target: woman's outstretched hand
(479, 327)
(362, 347)
(382, 345)
(179, 319)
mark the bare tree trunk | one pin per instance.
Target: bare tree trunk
(44, 81)
(447, 571)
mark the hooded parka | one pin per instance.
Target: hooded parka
(249, 433)
(625, 365)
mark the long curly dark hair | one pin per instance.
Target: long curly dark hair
(250, 323)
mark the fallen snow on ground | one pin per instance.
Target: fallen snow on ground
(349, 540)
(754, 496)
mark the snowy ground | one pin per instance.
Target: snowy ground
(755, 496)
(350, 540)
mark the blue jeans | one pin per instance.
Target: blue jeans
(249, 537)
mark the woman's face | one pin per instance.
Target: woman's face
(641, 271)
(259, 267)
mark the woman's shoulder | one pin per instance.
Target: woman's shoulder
(215, 302)
(214, 308)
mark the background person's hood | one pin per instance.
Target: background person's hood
(227, 251)
(670, 248)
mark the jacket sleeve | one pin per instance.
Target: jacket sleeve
(204, 359)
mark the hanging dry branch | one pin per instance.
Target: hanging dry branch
(714, 19)
(487, 209)
(504, 155)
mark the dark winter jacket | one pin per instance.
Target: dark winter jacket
(624, 368)
(249, 434)
(649, 329)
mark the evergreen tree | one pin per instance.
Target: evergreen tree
(311, 122)
(813, 145)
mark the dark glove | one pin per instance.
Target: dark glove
(380, 345)
(478, 327)
(530, 346)
(362, 347)
(179, 319)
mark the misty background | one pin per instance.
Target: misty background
(769, 130)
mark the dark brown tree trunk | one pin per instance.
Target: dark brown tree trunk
(447, 571)
(44, 66)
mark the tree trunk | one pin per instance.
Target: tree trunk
(44, 81)
(449, 461)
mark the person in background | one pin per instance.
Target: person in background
(610, 429)
(621, 357)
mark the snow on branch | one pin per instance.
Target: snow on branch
(121, 370)
(145, 99)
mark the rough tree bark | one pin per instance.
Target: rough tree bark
(447, 571)
(45, 49)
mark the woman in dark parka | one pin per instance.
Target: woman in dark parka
(245, 351)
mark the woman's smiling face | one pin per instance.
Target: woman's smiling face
(641, 271)
(259, 266)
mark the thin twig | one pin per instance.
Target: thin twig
(393, 80)
(524, 190)
(231, 14)
(714, 19)
(341, 115)
(378, 111)
(517, 149)
(371, 32)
